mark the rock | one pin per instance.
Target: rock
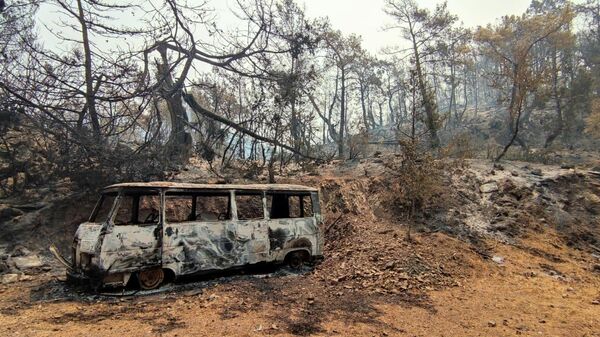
(492, 324)
(514, 173)
(488, 187)
(31, 207)
(566, 166)
(9, 278)
(7, 213)
(498, 259)
(27, 262)
(499, 167)
(25, 278)
(537, 172)
(20, 251)
(596, 302)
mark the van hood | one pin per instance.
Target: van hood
(87, 236)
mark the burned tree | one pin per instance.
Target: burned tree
(424, 30)
(511, 43)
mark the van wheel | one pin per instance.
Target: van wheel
(296, 259)
(151, 278)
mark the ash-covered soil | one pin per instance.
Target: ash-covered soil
(513, 249)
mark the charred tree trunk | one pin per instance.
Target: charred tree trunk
(90, 101)
(179, 144)
(428, 100)
(363, 104)
(559, 124)
(514, 112)
(342, 115)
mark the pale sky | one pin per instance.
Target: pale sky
(362, 17)
(366, 17)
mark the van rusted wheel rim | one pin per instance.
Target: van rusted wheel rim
(296, 260)
(150, 279)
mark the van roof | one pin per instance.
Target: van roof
(192, 186)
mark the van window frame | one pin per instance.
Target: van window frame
(96, 209)
(195, 194)
(301, 194)
(261, 193)
(140, 191)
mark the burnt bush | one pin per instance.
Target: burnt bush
(417, 186)
(31, 159)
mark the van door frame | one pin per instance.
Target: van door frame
(259, 226)
(158, 229)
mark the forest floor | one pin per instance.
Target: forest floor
(514, 250)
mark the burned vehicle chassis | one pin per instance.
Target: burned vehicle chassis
(162, 230)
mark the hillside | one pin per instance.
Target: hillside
(513, 250)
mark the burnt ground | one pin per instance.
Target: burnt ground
(522, 259)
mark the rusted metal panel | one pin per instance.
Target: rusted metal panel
(190, 186)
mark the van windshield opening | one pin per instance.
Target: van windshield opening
(103, 207)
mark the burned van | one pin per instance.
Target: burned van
(158, 230)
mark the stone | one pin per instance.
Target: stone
(498, 259)
(27, 262)
(537, 172)
(488, 187)
(25, 278)
(9, 278)
(7, 213)
(20, 251)
(492, 324)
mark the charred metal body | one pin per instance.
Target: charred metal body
(157, 230)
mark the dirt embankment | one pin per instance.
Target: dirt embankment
(512, 251)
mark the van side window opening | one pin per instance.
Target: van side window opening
(138, 209)
(187, 206)
(213, 207)
(104, 205)
(289, 205)
(306, 206)
(178, 208)
(249, 206)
